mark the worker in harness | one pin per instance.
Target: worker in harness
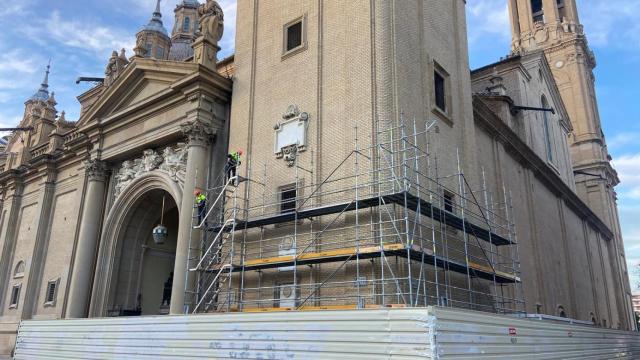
(201, 203)
(233, 160)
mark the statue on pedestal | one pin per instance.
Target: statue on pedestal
(211, 21)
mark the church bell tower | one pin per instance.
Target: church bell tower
(553, 26)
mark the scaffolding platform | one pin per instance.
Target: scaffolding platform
(414, 252)
(399, 198)
(429, 236)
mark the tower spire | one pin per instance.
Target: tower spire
(43, 92)
(45, 82)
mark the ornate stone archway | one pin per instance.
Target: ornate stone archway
(114, 228)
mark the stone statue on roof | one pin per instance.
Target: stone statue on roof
(211, 21)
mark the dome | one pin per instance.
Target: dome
(190, 3)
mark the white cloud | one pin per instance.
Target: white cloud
(16, 61)
(488, 19)
(14, 8)
(623, 139)
(229, 7)
(611, 22)
(628, 167)
(97, 38)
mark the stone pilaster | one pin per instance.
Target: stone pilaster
(13, 196)
(199, 134)
(45, 205)
(83, 264)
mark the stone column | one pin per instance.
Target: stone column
(515, 19)
(551, 13)
(572, 11)
(83, 264)
(199, 134)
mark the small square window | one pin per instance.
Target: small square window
(440, 91)
(448, 201)
(288, 199)
(294, 36)
(52, 292)
(15, 296)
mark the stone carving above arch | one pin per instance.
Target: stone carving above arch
(171, 160)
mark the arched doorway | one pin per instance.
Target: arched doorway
(143, 269)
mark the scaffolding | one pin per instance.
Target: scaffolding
(383, 229)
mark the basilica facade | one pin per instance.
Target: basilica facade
(489, 190)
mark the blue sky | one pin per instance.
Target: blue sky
(79, 36)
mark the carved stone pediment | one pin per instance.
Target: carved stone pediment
(171, 160)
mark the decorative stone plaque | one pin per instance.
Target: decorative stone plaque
(291, 134)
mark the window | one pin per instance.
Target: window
(186, 24)
(439, 86)
(448, 201)
(547, 129)
(288, 199)
(148, 48)
(15, 296)
(19, 271)
(537, 10)
(160, 52)
(52, 292)
(294, 36)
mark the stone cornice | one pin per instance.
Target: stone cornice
(484, 116)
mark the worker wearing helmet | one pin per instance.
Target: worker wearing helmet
(201, 203)
(233, 160)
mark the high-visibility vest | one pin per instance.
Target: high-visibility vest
(236, 157)
(201, 199)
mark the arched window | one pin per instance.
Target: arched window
(547, 129)
(19, 270)
(186, 24)
(593, 318)
(537, 10)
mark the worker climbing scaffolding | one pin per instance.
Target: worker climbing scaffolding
(230, 168)
(201, 203)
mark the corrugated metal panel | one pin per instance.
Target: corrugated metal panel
(377, 334)
(473, 335)
(366, 334)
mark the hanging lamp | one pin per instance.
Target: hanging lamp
(160, 232)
